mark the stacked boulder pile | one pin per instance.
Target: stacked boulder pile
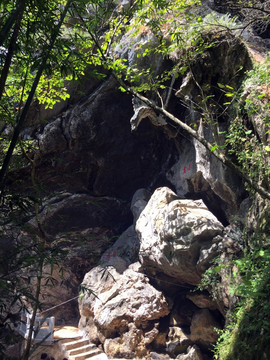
(141, 301)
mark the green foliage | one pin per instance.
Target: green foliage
(257, 88)
(215, 20)
(211, 278)
(247, 134)
(247, 335)
(41, 62)
(250, 152)
(154, 29)
(67, 60)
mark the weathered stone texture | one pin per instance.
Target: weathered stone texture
(124, 308)
(173, 232)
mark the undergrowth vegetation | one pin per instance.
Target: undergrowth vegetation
(247, 334)
(249, 129)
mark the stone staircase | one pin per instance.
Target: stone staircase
(79, 348)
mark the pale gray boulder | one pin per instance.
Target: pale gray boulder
(173, 233)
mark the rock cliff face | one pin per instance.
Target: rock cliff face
(140, 214)
(90, 148)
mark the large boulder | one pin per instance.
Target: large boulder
(173, 233)
(193, 353)
(126, 249)
(68, 212)
(123, 306)
(124, 309)
(177, 340)
(204, 328)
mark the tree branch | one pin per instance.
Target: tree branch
(220, 155)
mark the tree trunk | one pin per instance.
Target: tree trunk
(11, 48)
(25, 110)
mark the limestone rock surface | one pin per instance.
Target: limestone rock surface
(193, 353)
(89, 148)
(70, 212)
(123, 306)
(203, 328)
(203, 301)
(138, 203)
(80, 228)
(124, 250)
(173, 233)
(197, 170)
(178, 340)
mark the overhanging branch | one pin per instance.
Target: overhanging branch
(220, 155)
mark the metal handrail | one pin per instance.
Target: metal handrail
(41, 333)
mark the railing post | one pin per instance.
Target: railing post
(37, 324)
(27, 325)
(51, 326)
(23, 323)
(40, 333)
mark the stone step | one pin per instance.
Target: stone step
(67, 340)
(82, 349)
(75, 344)
(86, 355)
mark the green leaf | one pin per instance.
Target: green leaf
(217, 268)
(221, 85)
(261, 253)
(213, 148)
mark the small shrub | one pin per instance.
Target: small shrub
(225, 21)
